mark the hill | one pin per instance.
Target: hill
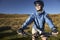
(20, 18)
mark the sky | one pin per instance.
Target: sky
(27, 6)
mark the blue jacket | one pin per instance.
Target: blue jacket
(39, 20)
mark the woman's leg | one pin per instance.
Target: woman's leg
(34, 32)
(43, 37)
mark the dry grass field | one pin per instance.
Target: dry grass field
(9, 23)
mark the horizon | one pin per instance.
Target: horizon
(29, 14)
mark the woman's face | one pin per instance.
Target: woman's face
(38, 7)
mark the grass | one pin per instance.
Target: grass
(9, 34)
(10, 23)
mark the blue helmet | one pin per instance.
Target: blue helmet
(39, 2)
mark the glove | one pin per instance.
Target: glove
(55, 32)
(20, 31)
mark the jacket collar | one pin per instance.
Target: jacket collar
(39, 13)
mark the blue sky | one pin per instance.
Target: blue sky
(27, 6)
